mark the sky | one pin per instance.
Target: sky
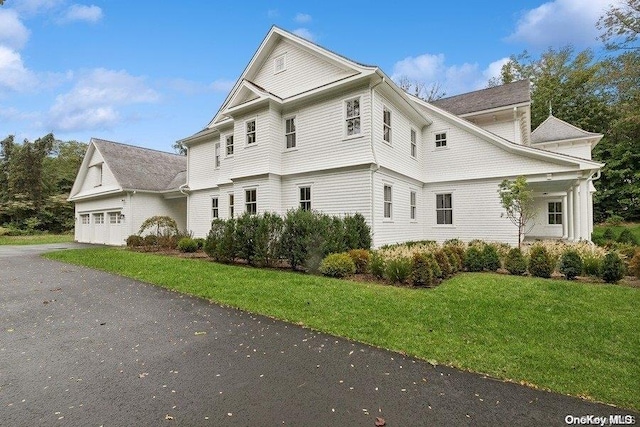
(148, 73)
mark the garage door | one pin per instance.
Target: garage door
(84, 228)
(114, 228)
(99, 229)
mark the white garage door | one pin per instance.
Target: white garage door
(114, 228)
(99, 228)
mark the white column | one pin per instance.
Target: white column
(576, 213)
(584, 210)
(565, 218)
(570, 218)
(590, 211)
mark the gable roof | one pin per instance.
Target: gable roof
(486, 99)
(554, 129)
(138, 168)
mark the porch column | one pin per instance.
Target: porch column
(590, 210)
(584, 210)
(576, 213)
(565, 218)
(570, 219)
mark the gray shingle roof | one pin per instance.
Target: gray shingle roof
(486, 99)
(554, 129)
(140, 168)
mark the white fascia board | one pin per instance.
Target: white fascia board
(495, 110)
(199, 137)
(402, 95)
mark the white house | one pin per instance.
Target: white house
(306, 127)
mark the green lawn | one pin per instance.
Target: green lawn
(598, 230)
(37, 239)
(573, 338)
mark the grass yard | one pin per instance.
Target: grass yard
(36, 239)
(598, 230)
(573, 338)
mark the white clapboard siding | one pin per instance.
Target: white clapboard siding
(477, 213)
(540, 226)
(98, 177)
(304, 71)
(577, 149)
(396, 155)
(321, 141)
(400, 227)
(86, 232)
(504, 129)
(146, 205)
(201, 161)
(477, 157)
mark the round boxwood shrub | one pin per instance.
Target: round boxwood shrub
(200, 242)
(490, 258)
(134, 241)
(571, 264)
(187, 244)
(540, 262)
(337, 265)
(454, 259)
(626, 236)
(473, 259)
(612, 268)
(515, 263)
(442, 259)
(608, 234)
(360, 258)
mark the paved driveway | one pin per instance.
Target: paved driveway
(80, 347)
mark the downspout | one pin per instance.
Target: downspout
(375, 159)
(184, 189)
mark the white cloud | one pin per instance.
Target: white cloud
(302, 18)
(222, 85)
(79, 12)
(304, 33)
(97, 99)
(561, 22)
(13, 33)
(452, 79)
(13, 114)
(273, 13)
(13, 74)
(33, 7)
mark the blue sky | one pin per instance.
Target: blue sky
(149, 73)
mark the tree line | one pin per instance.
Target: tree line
(35, 181)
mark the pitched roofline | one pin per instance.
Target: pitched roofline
(134, 146)
(509, 145)
(551, 116)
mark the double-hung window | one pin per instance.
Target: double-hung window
(387, 201)
(217, 154)
(290, 132)
(229, 144)
(441, 140)
(215, 212)
(386, 124)
(352, 116)
(555, 213)
(305, 198)
(231, 207)
(251, 201)
(444, 209)
(414, 144)
(251, 131)
(412, 204)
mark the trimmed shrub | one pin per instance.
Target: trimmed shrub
(296, 233)
(356, 231)
(360, 258)
(337, 265)
(246, 236)
(398, 270)
(458, 247)
(440, 256)
(626, 236)
(454, 259)
(490, 258)
(187, 244)
(200, 242)
(634, 264)
(608, 235)
(267, 239)
(377, 265)
(423, 271)
(592, 265)
(515, 263)
(150, 241)
(571, 264)
(220, 242)
(134, 241)
(540, 262)
(612, 268)
(473, 258)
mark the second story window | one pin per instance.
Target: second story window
(229, 144)
(386, 124)
(352, 116)
(387, 201)
(414, 144)
(251, 132)
(290, 132)
(441, 140)
(231, 207)
(217, 154)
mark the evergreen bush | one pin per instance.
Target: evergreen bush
(490, 258)
(608, 235)
(473, 258)
(134, 241)
(454, 259)
(267, 239)
(440, 256)
(187, 244)
(627, 236)
(612, 268)
(245, 237)
(200, 242)
(422, 273)
(357, 232)
(361, 259)
(540, 262)
(516, 263)
(337, 265)
(571, 264)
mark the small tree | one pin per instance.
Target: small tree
(517, 199)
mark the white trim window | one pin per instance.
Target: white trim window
(412, 205)
(290, 132)
(251, 201)
(414, 144)
(115, 218)
(305, 198)
(98, 218)
(279, 63)
(388, 205)
(217, 155)
(352, 116)
(85, 219)
(251, 131)
(215, 208)
(229, 144)
(555, 213)
(386, 124)
(441, 140)
(231, 205)
(444, 209)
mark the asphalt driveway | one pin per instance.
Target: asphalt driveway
(80, 347)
